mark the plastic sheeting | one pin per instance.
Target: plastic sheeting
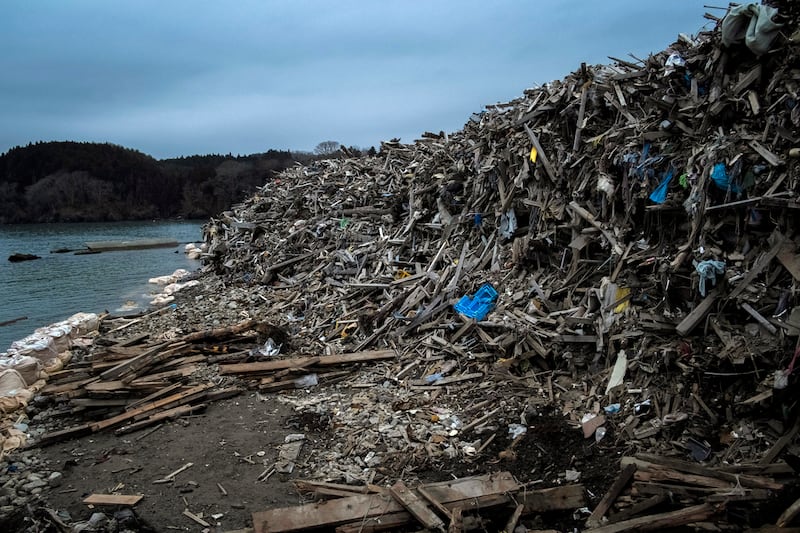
(752, 24)
(659, 195)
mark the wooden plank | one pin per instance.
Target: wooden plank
(664, 468)
(137, 368)
(789, 514)
(116, 371)
(371, 524)
(66, 387)
(553, 499)
(97, 426)
(780, 444)
(588, 217)
(611, 495)
(330, 360)
(768, 156)
(153, 396)
(638, 508)
(169, 414)
(697, 314)
(340, 511)
(759, 318)
(790, 260)
(112, 499)
(330, 489)
(190, 515)
(760, 265)
(63, 434)
(707, 494)
(416, 506)
(656, 522)
(449, 380)
(548, 168)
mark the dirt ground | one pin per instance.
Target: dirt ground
(231, 444)
(236, 440)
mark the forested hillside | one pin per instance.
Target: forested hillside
(74, 182)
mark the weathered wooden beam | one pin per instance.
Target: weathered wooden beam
(416, 506)
(697, 314)
(302, 362)
(656, 522)
(608, 499)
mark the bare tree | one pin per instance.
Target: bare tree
(327, 148)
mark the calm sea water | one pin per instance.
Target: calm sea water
(60, 284)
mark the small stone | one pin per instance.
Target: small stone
(31, 485)
(37, 490)
(55, 479)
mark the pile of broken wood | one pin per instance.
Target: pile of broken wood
(639, 224)
(637, 220)
(130, 382)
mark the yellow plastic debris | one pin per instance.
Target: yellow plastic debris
(534, 153)
(622, 292)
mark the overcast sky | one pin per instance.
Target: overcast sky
(182, 77)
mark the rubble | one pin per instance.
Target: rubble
(606, 267)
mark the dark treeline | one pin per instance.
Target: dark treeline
(81, 182)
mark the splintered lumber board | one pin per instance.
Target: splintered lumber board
(330, 360)
(97, 426)
(409, 499)
(342, 510)
(698, 314)
(113, 499)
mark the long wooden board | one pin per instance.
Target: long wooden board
(330, 360)
(113, 499)
(416, 506)
(97, 426)
(343, 510)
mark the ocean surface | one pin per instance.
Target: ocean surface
(58, 285)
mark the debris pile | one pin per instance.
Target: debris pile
(606, 263)
(636, 222)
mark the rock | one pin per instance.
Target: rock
(55, 479)
(19, 501)
(30, 486)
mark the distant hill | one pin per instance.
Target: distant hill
(79, 182)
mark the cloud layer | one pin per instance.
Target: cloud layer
(195, 76)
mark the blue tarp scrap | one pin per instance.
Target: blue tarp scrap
(659, 195)
(708, 270)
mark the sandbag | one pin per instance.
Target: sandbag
(41, 347)
(11, 382)
(83, 323)
(53, 365)
(28, 367)
(10, 440)
(13, 394)
(60, 333)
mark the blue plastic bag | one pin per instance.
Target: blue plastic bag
(659, 195)
(720, 177)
